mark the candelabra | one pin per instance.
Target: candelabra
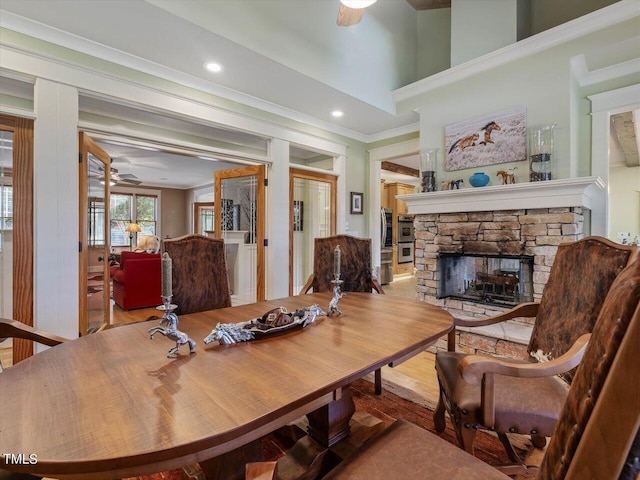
(337, 295)
(169, 327)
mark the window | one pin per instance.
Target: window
(203, 215)
(6, 207)
(129, 208)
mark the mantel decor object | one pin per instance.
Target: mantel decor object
(428, 167)
(272, 323)
(479, 179)
(541, 152)
(169, 323)
(337, 284)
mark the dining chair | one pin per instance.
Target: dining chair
(355, 271)
(200, 280)
(15, 329)
(597, 434)
(581, 275)
(355, 265)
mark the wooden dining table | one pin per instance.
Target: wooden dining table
(112, 405)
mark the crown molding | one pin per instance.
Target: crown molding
(603, 18)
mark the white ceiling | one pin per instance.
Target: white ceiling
(284, 56)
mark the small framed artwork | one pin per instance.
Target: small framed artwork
(298, 215)
(356, 203)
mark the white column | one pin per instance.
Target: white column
(342, 200)
(375, 203)
(277, 253)
(56, 265)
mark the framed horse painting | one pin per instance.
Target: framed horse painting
(500, 137)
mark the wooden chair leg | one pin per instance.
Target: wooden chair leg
(378, 381)
(466, 437)
(439, 419)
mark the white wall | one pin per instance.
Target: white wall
(481, 26)
(434, 41)
(542, 83)
(624, 201)
(366, 61)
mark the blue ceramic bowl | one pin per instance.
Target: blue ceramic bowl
(479, 179)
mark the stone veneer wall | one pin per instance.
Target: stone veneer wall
(535, 232)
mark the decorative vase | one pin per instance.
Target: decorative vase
(428, 168)
(541, 153)
(479, 179)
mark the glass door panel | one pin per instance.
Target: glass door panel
(95, 301)
(6, 225)
(239, 221)
(313, 197)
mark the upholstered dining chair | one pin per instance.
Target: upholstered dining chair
(594, 436)
(14, 329)
(355, 265)
(516, 400)
(355, 271)
(200, 280)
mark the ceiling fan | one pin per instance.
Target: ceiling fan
(351, 11)
(115, 176)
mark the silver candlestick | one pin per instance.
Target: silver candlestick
(337, 295)
(169, 327)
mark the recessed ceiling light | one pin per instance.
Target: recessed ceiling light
(213, 67)
(337, 113)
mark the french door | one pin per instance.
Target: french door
(95, 237)
(239, 210)
(312, 207)
(16, 226)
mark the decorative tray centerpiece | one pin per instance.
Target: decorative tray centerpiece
(275, 321)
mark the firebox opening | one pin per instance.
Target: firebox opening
(489, 279)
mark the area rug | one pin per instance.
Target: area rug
(388, 407)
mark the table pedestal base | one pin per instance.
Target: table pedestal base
(330, 424)
(231, 466)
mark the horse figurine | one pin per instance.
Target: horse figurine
(508, 176)
(456, 183)
(169, 328)
(488, 128)
(333, 304)
(445, 185)
(275, 321)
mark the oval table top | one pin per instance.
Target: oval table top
(112, 404)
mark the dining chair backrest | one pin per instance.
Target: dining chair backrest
(200, 280)
(580, 278)
(355, 264)
(593, 435)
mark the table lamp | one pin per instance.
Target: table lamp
(132, 227)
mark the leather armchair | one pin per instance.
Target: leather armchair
(137, 281)
(526, 397)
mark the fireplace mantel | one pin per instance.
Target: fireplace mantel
(573, 192)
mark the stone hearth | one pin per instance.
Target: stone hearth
(526, 229)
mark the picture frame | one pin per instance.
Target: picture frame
(298, 216)
(499, 137)
(356, 203)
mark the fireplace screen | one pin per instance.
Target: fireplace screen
(489, 279)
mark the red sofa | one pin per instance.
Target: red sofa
(137, 281)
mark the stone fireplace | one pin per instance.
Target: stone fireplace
(475, 225)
